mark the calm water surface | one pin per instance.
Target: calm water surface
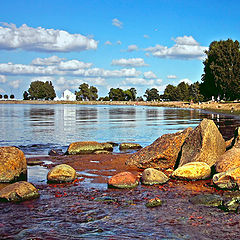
(38, 128)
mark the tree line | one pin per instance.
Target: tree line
(221, 79)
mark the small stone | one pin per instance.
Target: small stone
(211, 200)
(192, 171)
(34, 162)
(102, 152)
(152, 176)
(125, 146)
(123, 180)
(61, 173)
(19, 191)
(155, 202)
(231, 205)
(55, 152)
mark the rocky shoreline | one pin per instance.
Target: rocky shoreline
(189, 180)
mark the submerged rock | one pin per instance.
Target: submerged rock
(55, 152)
(152, 176)
(162, 153)
(228, 180)
(87, 147)
(230, 159)
(123, 180)
(124, 146)
(204, 144)
(211, 200)
(61, 173)
(19, 191)
(13, 164)
(192, 171)
(155, 202)
(101, 152)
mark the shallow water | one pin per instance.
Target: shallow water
(36, 129)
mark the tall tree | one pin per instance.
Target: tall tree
(222, 70)
(152, 94)
(183, 91)
(116, 94)
(87, 93)
(170, 93)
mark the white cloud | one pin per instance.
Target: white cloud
(149, 75)
(145, 36)
(138, 81)
(132, 48)
(184, 48)
(186, 80)
(171, 76)
(53, 60)
(96, 81)
(119, 42)
(43, 40)
(15, 84)
(131, 62)
(3, 79)
(159, 81)
(117, 23)
(43, 79)
(73, 65)
(108, 43)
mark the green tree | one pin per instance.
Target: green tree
(116, 94)
(25, 95)
(41, 90)
(152, 94)
(222, 70)
(86, 93)
(134, 93)
(93, 93)
(170, 93)
(194, 93)
(182, 91)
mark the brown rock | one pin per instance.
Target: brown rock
(162, 153)
(61, 173)
(152, 176)
(204, 144)
(13, 164)
(87, 147)
(129, 145)
(229, 179)
(192, 171)
(19, 191)
(230, 159)
(123, 180)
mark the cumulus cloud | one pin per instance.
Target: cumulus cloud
(117, 23)
(149, 75)
(73, 65)
(171, 76)
(159, 81)
(186, 80)
(3, 79)
(131, 62)
(132, 48)
(53, 60)
(43, 79)
(15, 84)
(185, 47)
(138, 81)
(43, 40)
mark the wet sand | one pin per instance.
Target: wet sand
(79, 211)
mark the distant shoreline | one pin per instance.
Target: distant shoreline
(232, 107)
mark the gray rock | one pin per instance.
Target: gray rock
(152, 176)
(211, 200)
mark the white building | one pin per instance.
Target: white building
(66, 96)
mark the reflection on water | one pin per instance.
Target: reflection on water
(38, 128)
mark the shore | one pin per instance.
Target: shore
(226, 107)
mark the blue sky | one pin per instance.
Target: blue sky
(114, 43)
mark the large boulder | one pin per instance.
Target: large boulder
(192, 171)
(61, 173)
(204, 144)
(230, 159)
(19, 191)
(123, 180)
(13, 164)
(228, 180)
(152, 176)
(162, 153)
(87, 147)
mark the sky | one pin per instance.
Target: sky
(109, 43)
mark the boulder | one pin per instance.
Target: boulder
(19, 191)
(88, 147)
(230, 159)
(61, 173)
(204, 144)
(152, 176)
(210, 200)
(192, 171)
(128, 145)
(13, 164)
(123, 180)
(228, 180)
(162, 153)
